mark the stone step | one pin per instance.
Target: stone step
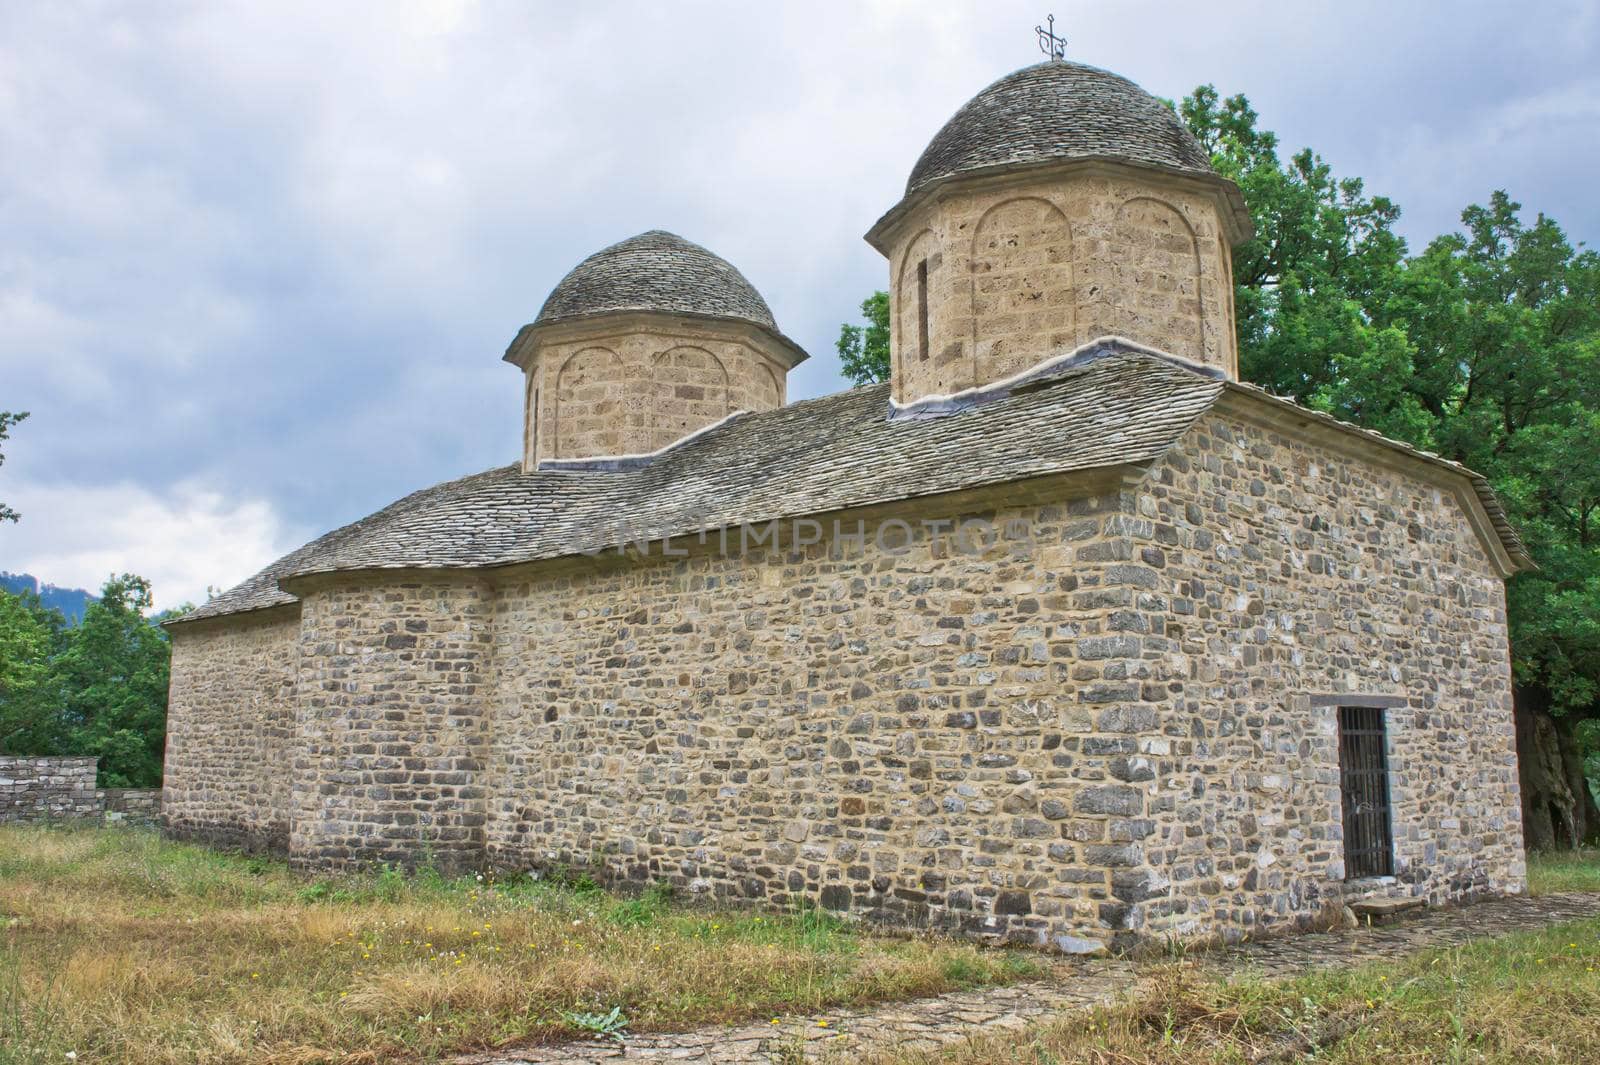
(1379, 909)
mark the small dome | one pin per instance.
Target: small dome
(1059, 110)
(656, 271)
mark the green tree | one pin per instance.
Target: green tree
(864, 350)
(7, 420)
(31, 635)
(113, 682)
(1505, 318)
(1323, 259)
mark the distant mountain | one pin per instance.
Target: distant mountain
(70, 601)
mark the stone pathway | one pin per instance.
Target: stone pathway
(926, 1024)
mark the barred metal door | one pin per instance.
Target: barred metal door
(1364, 783)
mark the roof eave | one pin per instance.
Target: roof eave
(254, 613)
(1071, 483)
(1235, 215)
(578, 326)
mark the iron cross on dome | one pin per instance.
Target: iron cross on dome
(1051, 45)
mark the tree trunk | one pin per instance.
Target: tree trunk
(1585, 816)
(1557, 809)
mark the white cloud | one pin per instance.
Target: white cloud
(182, 541)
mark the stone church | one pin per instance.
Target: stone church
(1064, 635)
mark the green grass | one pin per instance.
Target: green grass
(121, 947)
(1551, 872)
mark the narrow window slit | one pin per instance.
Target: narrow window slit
(922, 310)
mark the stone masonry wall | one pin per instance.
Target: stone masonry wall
(394, 687)
(899, 735)
(131, 806)
(47, 789)
(36, 788)
(1270, 570)
(628, 391)
(1033, 266)
(1098, 733)
(1110, 722)
(231, 721)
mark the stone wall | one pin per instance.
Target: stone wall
(1274, 573)
(394, 689)
(131, 806)
(854, 726)
(1115, 720)
(632, 384)
(231, 721)
(1018, 269)
(63, 789)
(1104, 732)
(47, 789)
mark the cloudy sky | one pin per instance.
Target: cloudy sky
(259, 261)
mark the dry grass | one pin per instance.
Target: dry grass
(1523, 999)
(1518, 1000)
(120, 947)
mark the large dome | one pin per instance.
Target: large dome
(656, 271)
(1059, 110)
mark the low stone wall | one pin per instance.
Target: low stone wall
(62, 789)
(47, 789)
(131, 806)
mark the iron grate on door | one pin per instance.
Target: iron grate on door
(1364, 786)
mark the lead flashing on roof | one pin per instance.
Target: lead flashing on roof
(1106, 347)
(617, 463)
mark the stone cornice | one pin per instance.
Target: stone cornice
(785, 353)
(1231, 209)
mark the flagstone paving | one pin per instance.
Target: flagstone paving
(1075, 985)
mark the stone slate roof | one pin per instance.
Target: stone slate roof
(805, 458)
(656, 271)
(1115, 406)
(1059, 110)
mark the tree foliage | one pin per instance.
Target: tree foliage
(864, 350)
(1323, 259)
(7, 420)
(31, 636)
(99, 688)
